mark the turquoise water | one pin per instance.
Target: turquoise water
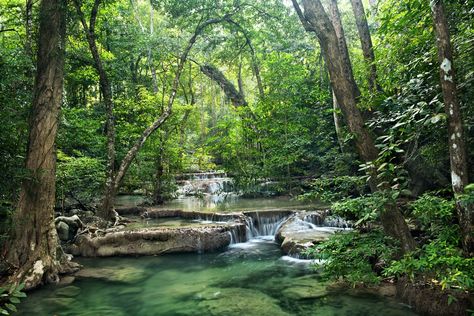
(216, 203)
(247, 279)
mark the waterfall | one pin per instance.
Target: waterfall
(263, 223)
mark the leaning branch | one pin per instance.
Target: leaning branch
(131, 154)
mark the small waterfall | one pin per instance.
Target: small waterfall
(264, 223)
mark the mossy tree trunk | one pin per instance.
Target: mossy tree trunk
(33, 251)
(315, 19)
(456, 142)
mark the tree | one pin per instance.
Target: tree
(315, 19)
(366, 42)
(33, 251)
(114, 179)
(456, 142)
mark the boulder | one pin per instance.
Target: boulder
(154, 241)
(63, 231)
(297, 235)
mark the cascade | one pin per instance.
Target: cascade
(264, 223)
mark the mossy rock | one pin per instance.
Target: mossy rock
(119, 274)
(59, 302)
(68, 291)
(130, 291)
(305, 287)
(239, 301)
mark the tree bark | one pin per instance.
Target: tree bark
(337, 124)
(33, 249)
(366, 42)
(107, 209)
(316, 20)
(456, 142)
(227, 87)
(335, 17)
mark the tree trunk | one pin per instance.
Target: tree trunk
(33, 250)
(227, 87)
(158, 189)
(316, 20)
(107, 210)
(335, 17)
(366, 42)
(457, 145)
(337, 124)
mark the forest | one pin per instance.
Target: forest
(237, 157)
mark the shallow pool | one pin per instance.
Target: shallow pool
(251, 278)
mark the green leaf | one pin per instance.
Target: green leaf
(11, 307)
(14, 300)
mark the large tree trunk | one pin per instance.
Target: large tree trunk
(33, 250)
(315, 19)
(107, 209)
(366, 42)
(457, 145)
(335, 17)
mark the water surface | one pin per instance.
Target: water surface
(247, 279)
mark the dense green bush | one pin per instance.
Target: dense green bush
(437, 262)
(335, 189)
(80, 178)
(355, 257)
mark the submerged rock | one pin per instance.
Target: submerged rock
(305, 288)
(239, 301)
(59, 302)
(114, 274)
(68, 291)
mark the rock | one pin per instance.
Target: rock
(297, 235)
(153, 241)
(66, 280)
(114, 274)
(239, 301)
(63, 231)
(68, 291)
(305, 288)
(130, 291)
(59, 302)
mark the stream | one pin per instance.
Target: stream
(248, 278)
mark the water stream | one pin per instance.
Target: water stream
(250, 277)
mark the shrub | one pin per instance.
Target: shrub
(355, 257)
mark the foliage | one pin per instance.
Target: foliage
(334, 189)
(364, 209)
(9, 297)
(79, 178)
(355, 257)
(437, 262)
(436, 216)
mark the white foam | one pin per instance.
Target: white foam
(301, 261)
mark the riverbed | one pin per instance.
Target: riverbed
(251, 278)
